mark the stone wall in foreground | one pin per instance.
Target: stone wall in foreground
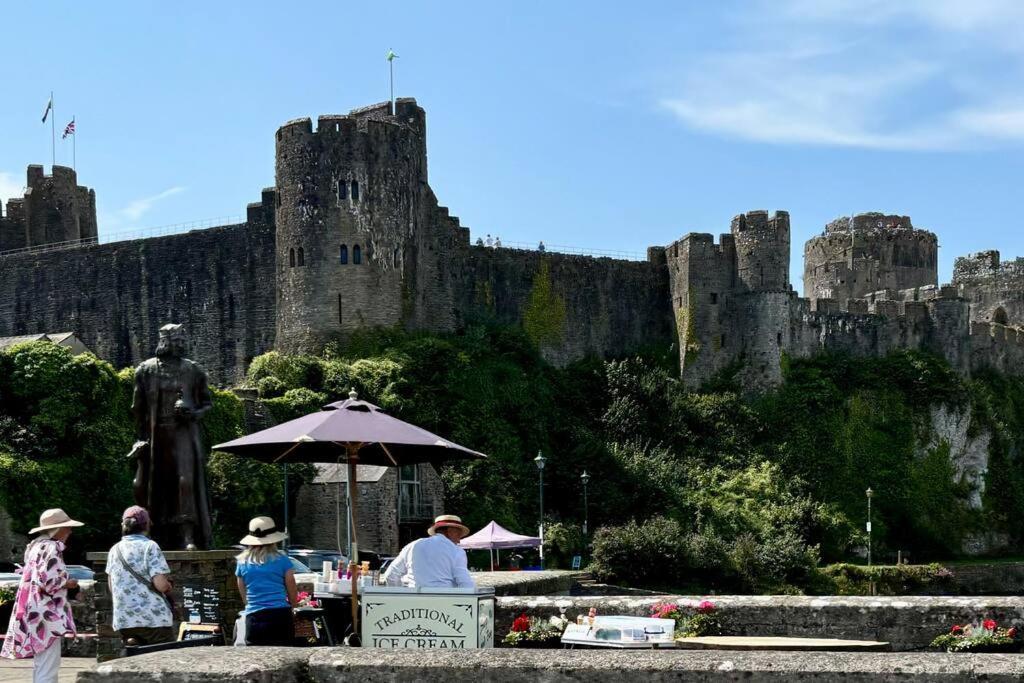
(330, 665)
(907, 622)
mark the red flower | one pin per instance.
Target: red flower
(1012, 633)
(989, 624)
(957, 628)
(706, 606)
(521, 624)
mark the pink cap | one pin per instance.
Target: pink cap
(138, 513)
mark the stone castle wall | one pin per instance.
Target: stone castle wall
(571, 306)
(115, 297)
(352, 236)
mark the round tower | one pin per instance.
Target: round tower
(869, 252)
(348, 196)
(762, 250)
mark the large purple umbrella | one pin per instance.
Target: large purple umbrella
(355, 432)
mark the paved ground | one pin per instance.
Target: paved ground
(20, 671)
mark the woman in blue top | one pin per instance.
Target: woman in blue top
(266, 581)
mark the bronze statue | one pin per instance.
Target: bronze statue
(171, 395)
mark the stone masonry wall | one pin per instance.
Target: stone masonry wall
(219, 283)
(571, 306)
(860, 254)
(377, 523)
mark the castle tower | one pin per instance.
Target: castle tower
(349, 204)
(762, 250)
(858, 255)
(55, 209)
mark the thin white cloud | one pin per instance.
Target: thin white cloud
(913, 75)
(136, 209)
(10, 186)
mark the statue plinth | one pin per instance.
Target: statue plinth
(208, 576)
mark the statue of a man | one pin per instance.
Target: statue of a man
(171, 395)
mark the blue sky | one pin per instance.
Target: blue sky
(590, 124)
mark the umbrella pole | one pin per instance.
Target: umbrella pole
(353, 562)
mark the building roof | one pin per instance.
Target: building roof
(67, 339)
(11, 341)
(338, 473)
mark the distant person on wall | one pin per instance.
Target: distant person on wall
(42, 614)
(433, 562)
(266, 581)
(540, 247)
(479, 241)
(489, 242)
(497, 243)
(140, 584)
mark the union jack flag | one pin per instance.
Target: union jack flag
(69, 129)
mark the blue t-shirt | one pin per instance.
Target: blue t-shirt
(264, 583)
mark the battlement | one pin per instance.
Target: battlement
(870, 221)
(700, 243)
(408, 115)
(760, 223)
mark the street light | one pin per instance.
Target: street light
(585, 478)
(869, 493)
(539, 461)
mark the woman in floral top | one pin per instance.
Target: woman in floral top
(41, 613)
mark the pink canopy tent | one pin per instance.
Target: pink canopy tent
(495, 537)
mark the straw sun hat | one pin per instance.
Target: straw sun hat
(263, 531)
(54, 518)
(448, 521)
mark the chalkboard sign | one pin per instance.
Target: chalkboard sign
(201, 603)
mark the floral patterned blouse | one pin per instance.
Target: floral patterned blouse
(41, 612)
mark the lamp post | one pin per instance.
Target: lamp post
(539, 461)
(869, 493)
(585, 478)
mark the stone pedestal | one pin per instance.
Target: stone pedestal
(201, 568)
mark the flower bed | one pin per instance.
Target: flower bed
(692, 619)
(987, 636)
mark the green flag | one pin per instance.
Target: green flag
(390, 56)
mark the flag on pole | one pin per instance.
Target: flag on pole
(69, 129)
(49, 107)
(390, 56)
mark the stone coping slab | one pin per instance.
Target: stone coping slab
(323, 665)
(780, 644)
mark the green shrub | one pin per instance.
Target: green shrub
(562, 541)
(899, 579)
(270, 387)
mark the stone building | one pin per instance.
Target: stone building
(396, 505)
(352, 236)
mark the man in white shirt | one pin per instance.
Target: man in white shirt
(433, 562)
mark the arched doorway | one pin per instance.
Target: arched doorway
(999, 316)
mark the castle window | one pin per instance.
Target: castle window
(395, 257)
(291, 258)
(342, 191)
(721, 341)
(343, 254)
(302, 256)
(778, 339)
(714, 298)
(339, 309)
(355, 190)
(357, 255)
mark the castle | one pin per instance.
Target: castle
(352, 236)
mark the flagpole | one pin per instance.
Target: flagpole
(53, 134)
(391, 71)
(74, 164)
